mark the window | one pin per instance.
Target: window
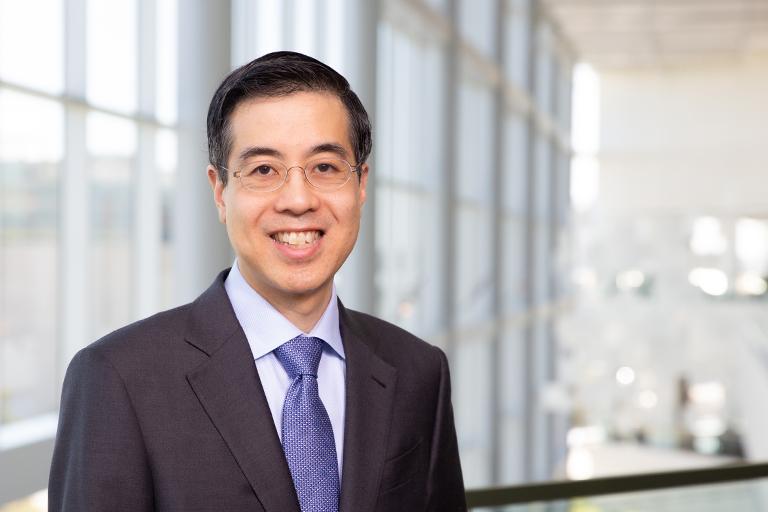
(87, 131)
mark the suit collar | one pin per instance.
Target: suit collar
(211, 320)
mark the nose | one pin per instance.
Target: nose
(296, 195)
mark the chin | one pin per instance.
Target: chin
(300, 286)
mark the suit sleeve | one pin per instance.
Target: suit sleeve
(445, 486)
(99, 459)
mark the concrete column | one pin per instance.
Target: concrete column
(355, 280)
(201, 247)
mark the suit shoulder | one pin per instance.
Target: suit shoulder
(149, 332)
(394, 340)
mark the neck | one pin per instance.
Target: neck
(302, 311)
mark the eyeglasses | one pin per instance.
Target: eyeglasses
(268, 175)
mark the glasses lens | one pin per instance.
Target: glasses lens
(328, 173)
(262, 174)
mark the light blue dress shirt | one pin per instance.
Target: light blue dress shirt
(266, 329)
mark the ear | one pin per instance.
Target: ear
(363, 183)
(218, 193)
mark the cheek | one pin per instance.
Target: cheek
(351, 223)
(242, 222)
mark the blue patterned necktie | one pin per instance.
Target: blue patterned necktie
(307, 435)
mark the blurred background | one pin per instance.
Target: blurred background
(567, 196)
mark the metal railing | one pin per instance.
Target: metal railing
(563, 490)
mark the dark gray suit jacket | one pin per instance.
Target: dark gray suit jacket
(168, 414)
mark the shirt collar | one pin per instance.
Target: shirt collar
(266, 328)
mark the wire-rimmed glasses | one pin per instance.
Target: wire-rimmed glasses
(267, 175)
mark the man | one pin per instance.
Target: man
(265, 393)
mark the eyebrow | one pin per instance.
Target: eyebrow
(252, 151)
(326, 147)
(329, 147)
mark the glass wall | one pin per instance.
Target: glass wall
(31, 152)
(469, 144)
(87, 114)
(410, 161)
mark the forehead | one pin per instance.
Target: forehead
(291, 123)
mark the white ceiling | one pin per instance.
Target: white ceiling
(640, 33)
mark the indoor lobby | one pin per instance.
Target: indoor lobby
(566, 196)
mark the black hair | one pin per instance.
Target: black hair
(280, 74)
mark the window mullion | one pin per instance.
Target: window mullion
(74, 204)
(146, 235)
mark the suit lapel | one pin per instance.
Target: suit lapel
(370, 390)
(230, 391)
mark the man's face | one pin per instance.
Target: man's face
(292, 127)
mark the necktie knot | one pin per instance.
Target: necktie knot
(300, 355)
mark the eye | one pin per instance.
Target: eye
(326, 167)
(260, 170)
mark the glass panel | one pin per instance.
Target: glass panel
(544, 69)
(409, 159)
(31, 139)
(512, 403)
(335, 24)
(111, 143)
(475, 150)
(305, 26)
(471, 372)
(542, 178)
(514, 176)
(409, 148)
(112, 69)
(564, 102)
(474, 281)
(167, 62)
(269, 26)
(477, 21)
(546, 453)
(543, 258)
(562, 197)
(32, 44)
(563, 251)
(517, 42)
(407, 277)
(514, 273)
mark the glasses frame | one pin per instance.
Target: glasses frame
(353, 169)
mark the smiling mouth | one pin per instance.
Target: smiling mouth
(297, 239)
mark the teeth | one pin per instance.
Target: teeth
(297, 239)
